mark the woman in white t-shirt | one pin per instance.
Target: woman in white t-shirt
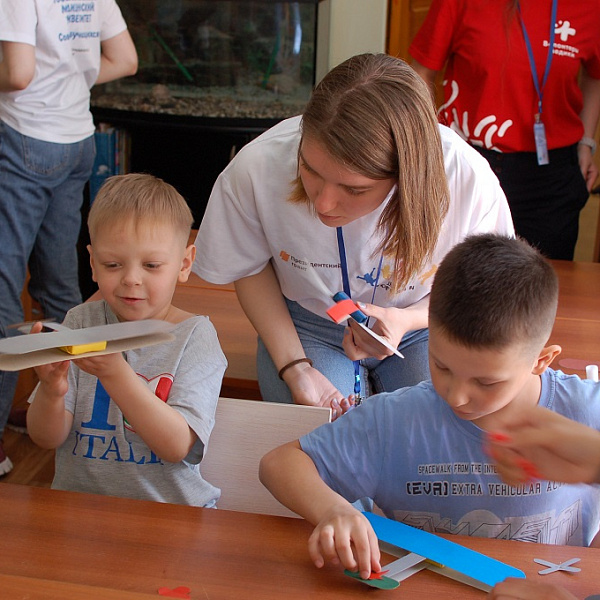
(364, 193)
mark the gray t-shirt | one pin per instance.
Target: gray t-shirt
(103, 455)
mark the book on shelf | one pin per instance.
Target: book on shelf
(113, 155)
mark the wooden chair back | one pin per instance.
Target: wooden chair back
(244, 431)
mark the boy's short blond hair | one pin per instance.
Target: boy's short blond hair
(142, 198)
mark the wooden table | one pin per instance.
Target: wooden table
(577, 326)
(579, 295)
(68, 545)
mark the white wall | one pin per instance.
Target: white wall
(349, 27)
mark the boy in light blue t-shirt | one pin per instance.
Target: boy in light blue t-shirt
(418, 452)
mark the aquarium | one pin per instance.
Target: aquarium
(232, 59)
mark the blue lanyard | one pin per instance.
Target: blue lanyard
(540, 88)
(346, 288)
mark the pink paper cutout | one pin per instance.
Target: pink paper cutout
(178, 592)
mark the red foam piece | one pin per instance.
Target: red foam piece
(178, 592)
(341, 310)
(379, 575)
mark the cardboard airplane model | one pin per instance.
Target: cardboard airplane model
(421, 550)
(24, 351)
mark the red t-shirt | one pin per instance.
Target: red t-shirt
(489, 94)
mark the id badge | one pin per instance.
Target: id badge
(541, 145)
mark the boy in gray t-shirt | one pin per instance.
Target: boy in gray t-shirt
(134, 424)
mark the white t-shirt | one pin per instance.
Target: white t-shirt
(55, 107)
(249, 222)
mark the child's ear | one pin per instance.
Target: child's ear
(91, 251)
(545, 358)
(186, 263)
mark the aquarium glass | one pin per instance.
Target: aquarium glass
(217, 58)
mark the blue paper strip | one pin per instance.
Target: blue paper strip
(440, 550)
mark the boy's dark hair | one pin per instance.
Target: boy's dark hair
(491, 291)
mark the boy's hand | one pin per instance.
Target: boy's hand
(541, 444)
(345, 536)
(106, 365)
(52, 376)
(526, 589)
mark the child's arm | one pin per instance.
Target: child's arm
(162, 428)
(526, 589)
(48, 423)
(543, 444)
(342, 533)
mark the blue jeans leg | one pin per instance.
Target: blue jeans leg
(322, 342)
(394, 373)
(41, 191)
(53, 264)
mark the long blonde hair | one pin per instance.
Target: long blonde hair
(375, 115)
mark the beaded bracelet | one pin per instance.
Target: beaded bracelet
(291, 364)
(588, 141)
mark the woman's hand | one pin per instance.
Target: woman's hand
(310, 387)
(390, 323)
(588, 167)
(345, 536)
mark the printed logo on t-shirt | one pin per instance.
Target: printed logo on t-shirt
(303, 264)
(312, 269)
(160, 386)
(562, 525)
(563, 30)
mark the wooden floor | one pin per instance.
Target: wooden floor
(32, 465)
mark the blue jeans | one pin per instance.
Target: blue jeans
(41, 192)
(322, 342)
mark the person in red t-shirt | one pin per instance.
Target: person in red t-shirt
(493, 96)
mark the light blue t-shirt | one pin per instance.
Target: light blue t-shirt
(425, 467)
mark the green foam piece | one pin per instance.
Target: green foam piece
(384, 583)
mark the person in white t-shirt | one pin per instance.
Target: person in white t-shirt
(52, 53)
(365, 193)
